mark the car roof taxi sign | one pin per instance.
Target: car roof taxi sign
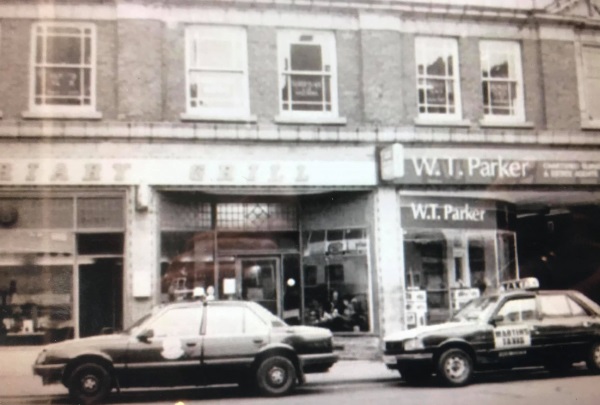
(528, 283)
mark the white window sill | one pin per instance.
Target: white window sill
(216, 117)
(64, 115)
(506, 124)
(282, 119)
(441, 122)
(590, 125)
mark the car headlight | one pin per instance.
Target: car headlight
(413, 344)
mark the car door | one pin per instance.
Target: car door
(565, 327)
(168, 350)
(513, 343)
(232, 336)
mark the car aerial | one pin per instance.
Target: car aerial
(517, 326)
(191, 343)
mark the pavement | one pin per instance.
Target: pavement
(17, 379)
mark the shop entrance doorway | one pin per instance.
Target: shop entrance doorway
(100, 296)
(259, 281)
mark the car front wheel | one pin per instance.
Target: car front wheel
(593, 360)
(455, 367)
(275, 376)
(89, 384)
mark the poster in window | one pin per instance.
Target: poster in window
(62, 81)
(307, 88)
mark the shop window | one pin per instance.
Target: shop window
(256, 216)
(308, 74)
(180, 212)
(507, 257)
(502, 81)
(336, 287)
(438, 84)
(36, 213)
(100, 212)
(217, 72)
(63, 72)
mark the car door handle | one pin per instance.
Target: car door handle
(190, 344)
(258, 341)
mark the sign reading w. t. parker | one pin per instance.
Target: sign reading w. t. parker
(488, 166)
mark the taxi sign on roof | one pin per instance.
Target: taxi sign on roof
(529, 283)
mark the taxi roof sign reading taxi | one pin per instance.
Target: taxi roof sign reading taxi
(528, 283)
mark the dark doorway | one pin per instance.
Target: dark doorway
(100, 296)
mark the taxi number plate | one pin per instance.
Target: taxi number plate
(389, 359)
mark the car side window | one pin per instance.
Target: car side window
(576, 309)
(224, 320)
(178, 322)
(518, 310)
(556, 305)
(253, 324)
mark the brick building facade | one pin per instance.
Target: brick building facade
(383, 159)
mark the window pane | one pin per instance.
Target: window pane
(253, 324)
(63, 50)
(216, 89)
(555, 305)
(306, 57)
(178, 322)
(222, 321)
(576, 309)
(518, 310)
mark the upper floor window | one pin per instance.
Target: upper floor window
(502, 80)
(438, 78)
(63, 68)
(216, 72)
(590, 84)
(307, 74)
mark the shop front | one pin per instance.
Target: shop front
(61, 265)
(471, 218)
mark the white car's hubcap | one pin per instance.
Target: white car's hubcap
(455, 367)
(89, 383)
(277, 375)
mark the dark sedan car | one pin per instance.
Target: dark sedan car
(518, 327)
(191, 343)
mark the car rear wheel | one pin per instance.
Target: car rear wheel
(90, 383)
(455, 367)
(593, 360)
(275, 376)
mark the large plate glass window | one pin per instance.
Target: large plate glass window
(63, 67)
(502, 80)
(307, 67)
(216, 71)
(438, 78)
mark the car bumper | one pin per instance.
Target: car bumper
(407, 360)
(50, 373)
(316, 363)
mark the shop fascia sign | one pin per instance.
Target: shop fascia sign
(448, 212)
(486, 166)
(187, 172)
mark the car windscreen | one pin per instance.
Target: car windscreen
(477, 309)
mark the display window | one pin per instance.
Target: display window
(454, 250)
(60, 267)
(336, 279)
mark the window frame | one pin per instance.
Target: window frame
(237, 35)
(40, 30)
(426, 42)
(513, 47)
(587, 122)
(327, 42)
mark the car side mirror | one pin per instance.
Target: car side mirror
(497, 319)
(145, 335)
